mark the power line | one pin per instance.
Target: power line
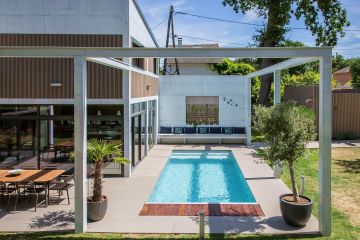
(251, 24)
(211, 40)
(157, 25)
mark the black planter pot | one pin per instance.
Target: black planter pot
(295, 214)
(97, 210)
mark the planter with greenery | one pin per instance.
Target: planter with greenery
(98, 151)
(287, 129)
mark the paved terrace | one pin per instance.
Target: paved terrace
(128, 195)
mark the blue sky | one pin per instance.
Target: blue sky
(157, 10)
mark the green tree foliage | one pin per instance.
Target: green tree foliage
(308, 78)
(229, 67)
(287, 129)
(325, 20)
(339, 62)
(355, 72)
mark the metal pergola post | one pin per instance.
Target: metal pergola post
(277, 100)
(80, 140)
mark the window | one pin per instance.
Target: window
(138, 62)
(202, 110)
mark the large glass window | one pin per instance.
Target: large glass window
(202, 110)
(39, 136)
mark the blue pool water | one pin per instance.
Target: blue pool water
(201, 176)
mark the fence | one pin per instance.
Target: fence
(345, 108)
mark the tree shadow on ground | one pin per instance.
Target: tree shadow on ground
(53, 220)
(349, 166)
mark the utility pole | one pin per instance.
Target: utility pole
(170, 28)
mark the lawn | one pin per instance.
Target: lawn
(346, 203)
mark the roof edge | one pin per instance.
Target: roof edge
(145, 22)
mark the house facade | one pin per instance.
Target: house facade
(37, 94)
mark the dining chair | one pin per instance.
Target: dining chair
(63, 185)
(7, 190)
(31, 189)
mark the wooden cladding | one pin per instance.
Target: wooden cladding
(61, 40)
(143, 85)
(32, 77)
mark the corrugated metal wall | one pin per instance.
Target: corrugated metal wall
(31, 77)
(345, 107)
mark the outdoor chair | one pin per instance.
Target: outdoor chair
(7, 190)
(63, 185)
(30, 189)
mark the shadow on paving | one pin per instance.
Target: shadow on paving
(69, 236)
(55, 220)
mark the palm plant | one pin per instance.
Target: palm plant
(99, 151)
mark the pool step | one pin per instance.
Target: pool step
(192, 209)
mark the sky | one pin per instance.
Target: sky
(235, 35)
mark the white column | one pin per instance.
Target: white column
(325, 129)
(277, 100)
(127, 90)
(248, 125)
(127, 120)
(156, 123)
(51, 125)
(146, 127)
(80, 139)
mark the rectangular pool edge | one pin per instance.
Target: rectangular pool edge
(210, 209)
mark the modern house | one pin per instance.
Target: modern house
(200, 106)
(37, 94)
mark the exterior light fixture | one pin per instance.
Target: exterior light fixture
(98, 113)
(118, 113)
(56, 83)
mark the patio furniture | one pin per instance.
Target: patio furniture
(32, 189)
(37, 177)
(63, 185)
(7, 190)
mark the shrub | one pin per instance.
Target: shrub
(355, 72)
(287, 129)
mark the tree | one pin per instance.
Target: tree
(325, 19)
(287, 129)
(339, 62)
(355, 72)
(229, 67)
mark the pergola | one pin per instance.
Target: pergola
(295, 56)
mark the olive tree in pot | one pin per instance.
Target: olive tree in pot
(287, 129)
(98, 151)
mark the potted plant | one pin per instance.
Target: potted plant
(98, 151)
(287, 129)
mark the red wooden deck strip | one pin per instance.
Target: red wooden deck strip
(209, 209)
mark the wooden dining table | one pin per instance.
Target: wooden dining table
(36, 176)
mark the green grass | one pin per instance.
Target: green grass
(346, 182)
(308, 167)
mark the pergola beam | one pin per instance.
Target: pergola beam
(120, 65)
(264, 52)
(293, 62)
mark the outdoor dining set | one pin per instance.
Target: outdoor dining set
(19, 184)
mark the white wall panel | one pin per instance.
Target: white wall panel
(174, 89)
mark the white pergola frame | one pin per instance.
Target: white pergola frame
(297, 57)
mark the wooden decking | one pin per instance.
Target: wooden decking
(209, 209)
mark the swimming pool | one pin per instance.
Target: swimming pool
(201, 177)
